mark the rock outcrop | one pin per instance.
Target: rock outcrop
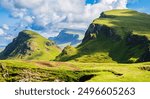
(30, 45)
(116, 36)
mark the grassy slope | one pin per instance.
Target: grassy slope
(70, 71)
(106, 50)
(99, 50)
(38, 48)
(123, 22)
(95, 51)
(39, 43)
(126, 20)
(67, 52)
(17, 70)
(89, 52)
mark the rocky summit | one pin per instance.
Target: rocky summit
(30, 45)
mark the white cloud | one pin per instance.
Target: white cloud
(53, 15)
(28, 19)
(1, 31)
(9, 37)
(5, 27)
(121, 4)
(27, 3)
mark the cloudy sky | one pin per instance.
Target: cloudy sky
(49, 17)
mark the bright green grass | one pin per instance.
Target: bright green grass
(103, 50)
(92, 51)
(106, 49)
(131, 72)
(39, 50)
(126, 21)
(32, 71)
(13, 70)
(67, 52)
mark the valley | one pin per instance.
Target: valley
(115, 48)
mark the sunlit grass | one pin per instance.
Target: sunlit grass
(72, 71)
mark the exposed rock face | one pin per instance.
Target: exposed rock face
(19, 41)
(116, 36)
(95, 30)
(146, 55)
(142, 42)
(131, 41)
(28, 45)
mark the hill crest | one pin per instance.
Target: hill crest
(30, 45)
(116, 36)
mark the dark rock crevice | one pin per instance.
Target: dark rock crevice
(143, 43)
(21, 40)
(86, 78)
(95, 30)
(135, 45)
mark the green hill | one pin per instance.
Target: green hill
(116, 36)
(112, 41)
(30, 45)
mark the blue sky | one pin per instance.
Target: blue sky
(92, 1)
(49, 17)
(5, 17)
(140, 5)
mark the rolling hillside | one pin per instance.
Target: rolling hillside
(115, 48)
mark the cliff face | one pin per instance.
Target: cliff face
(116, 36)
(143, 43)
(136, 48)
(30, 45)
(95, 30)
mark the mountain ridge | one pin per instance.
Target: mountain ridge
(30, 45)
(116, 36)
(67, 36)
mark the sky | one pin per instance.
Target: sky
(49, 17)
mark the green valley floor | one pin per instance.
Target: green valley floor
(44, 71)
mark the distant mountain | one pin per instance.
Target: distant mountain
(30, 45)
(116, 36)
(69, 37)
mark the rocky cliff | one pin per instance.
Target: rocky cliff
(30, 45)
(116, 36)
